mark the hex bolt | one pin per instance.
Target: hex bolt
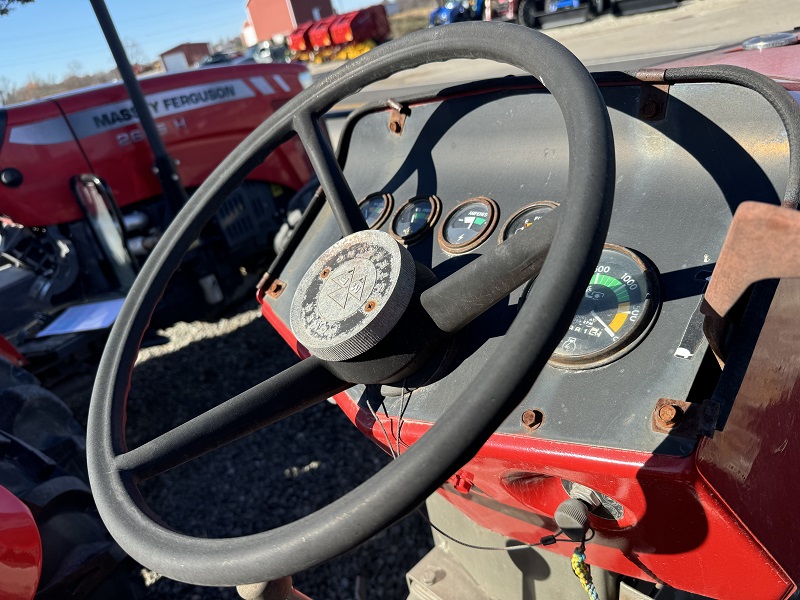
(532, 419)
(669, 416)
(325, 272)
(429, 576)
(370, 306)
(650, 109)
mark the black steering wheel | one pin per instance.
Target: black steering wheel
(403, 484)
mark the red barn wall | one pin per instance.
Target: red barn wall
(281, 17)
(304, 9)
(194, 52)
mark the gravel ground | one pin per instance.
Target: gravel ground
(268, 479)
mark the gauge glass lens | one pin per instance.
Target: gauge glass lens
(375, 209)
(466, 223)
(413, 218)
(616, 308)
(525, 219)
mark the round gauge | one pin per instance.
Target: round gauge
(415, 218)
(468, 225)
(376, 208)
(616, 310)
(525, 217)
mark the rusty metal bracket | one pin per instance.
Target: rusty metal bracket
(685, 419)
(763, 242)
(651, 75)
(397, 118)
(271, 286)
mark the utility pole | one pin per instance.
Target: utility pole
(164, 164)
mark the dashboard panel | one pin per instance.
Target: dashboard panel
(473, 165)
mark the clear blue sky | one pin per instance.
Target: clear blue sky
(44, 37)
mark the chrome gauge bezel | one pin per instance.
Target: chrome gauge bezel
(388, 205)
(631, 338)
(433, 217)
(491, 223)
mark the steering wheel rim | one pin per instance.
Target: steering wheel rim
(403, 484)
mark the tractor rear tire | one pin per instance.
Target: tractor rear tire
(526, 14)
(597, 8)
(43, 463)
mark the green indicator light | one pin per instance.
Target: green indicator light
(479, 220)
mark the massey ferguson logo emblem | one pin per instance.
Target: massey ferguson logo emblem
(347, 288)
(345, 291)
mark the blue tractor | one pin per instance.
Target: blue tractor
(454, 11)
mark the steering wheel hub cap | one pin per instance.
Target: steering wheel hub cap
(353, 295)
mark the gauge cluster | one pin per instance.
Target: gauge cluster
(617, 308)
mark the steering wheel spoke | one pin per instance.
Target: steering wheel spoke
(456, 301)
(330, 175)
(281, 396)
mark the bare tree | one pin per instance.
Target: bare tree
(6, 6)
(134, 51)
(74, 68)
(7, 90)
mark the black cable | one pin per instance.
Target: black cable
(547, 540)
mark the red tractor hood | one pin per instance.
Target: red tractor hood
(782, 63)
(201, 115)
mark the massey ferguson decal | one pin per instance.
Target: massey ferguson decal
(162, 104)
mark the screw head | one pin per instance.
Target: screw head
(394, 127)
(325, 272)
(370, 306)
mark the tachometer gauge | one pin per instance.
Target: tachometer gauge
(468, 225)
(376, 208)
(525, 217)
(616, 310)
(415, 218)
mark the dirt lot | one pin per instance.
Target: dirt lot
(695, 25)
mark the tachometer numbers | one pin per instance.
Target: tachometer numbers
(468, 225)
(376, 208)
(615, 312)
(524, 218)
(415, 218)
